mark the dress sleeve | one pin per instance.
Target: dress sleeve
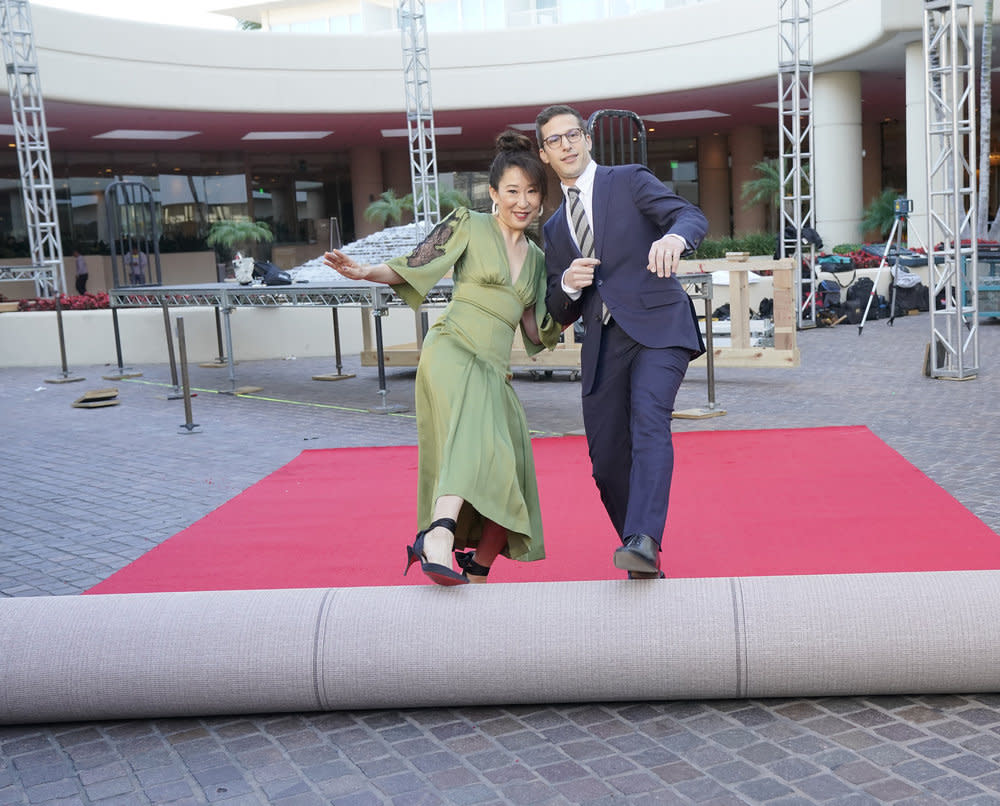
(549, 329)
(432, 259)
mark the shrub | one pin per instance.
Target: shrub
(757, 243)
(81, 302)
(845, 248)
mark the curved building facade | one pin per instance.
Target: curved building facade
(298, 127)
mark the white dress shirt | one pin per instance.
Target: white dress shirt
(585, 183)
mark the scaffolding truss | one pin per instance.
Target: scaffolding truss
(32, 141)
(949, 56)
(795, 92)
(419, 114)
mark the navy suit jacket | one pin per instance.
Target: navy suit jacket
(631, 209)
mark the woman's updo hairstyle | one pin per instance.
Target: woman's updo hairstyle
(516, 150)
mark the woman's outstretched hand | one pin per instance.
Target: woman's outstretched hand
(340, 262)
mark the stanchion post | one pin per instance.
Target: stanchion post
(218, 336)
(340, 375)
(188, 427)
(176, 393)
(123, 371)
(384, 407)
(64, 376)
(709, 353)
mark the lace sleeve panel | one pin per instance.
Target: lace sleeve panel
(432, 259)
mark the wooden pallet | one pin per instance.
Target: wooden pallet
(97, 399)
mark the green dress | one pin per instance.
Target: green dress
(471, 429)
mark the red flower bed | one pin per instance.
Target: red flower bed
(82, 302)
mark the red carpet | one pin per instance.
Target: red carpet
(744, 503)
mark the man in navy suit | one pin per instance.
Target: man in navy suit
(640, 326)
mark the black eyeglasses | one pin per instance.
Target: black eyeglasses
(572, 136)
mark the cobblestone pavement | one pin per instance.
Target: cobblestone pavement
(85, 492)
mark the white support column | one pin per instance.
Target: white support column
(837, 179)
(713, 183)
(746, 144)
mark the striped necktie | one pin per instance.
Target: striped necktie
(584, 235)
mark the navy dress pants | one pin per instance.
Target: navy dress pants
(627, 420)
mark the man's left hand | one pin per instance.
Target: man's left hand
(665, 255)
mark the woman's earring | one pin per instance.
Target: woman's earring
(496, 209)
(541, 210)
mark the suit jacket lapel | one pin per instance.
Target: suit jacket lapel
(562, 240)
(600, 207)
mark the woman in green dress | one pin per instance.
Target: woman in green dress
(476, 485)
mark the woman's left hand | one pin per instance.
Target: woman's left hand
(341, 263)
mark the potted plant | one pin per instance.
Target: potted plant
(233, 233)
(231, 237)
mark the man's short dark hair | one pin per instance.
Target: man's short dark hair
(554, 111)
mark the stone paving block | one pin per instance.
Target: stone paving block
(702, 789)
(510, 772)
(954, 788)
(806, 745)
(733, 772)
(585, 790)
(857, 739)
(918, 771)
(541, 755)
(635, 783)
(707, 756)
(983, 745)
(612, 765)
(952, 729)
(51, 790)
(675, 772)
(793, 769)
(762, 753)
(763, 789)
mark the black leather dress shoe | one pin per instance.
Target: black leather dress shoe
(640, 553)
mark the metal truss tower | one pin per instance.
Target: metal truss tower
(949, 51)
(419, 114)
(32, 140)
(795, 92)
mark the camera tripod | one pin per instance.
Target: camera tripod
(901, 208)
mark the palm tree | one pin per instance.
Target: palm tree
(448, 200)
(765, 189)
(233, 233)
(388, 209)
(880, 213)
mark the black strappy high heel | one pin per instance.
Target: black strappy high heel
(440, 574)
(467, 562)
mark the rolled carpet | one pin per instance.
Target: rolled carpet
(229, 652)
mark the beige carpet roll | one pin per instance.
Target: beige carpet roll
(232, 652)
